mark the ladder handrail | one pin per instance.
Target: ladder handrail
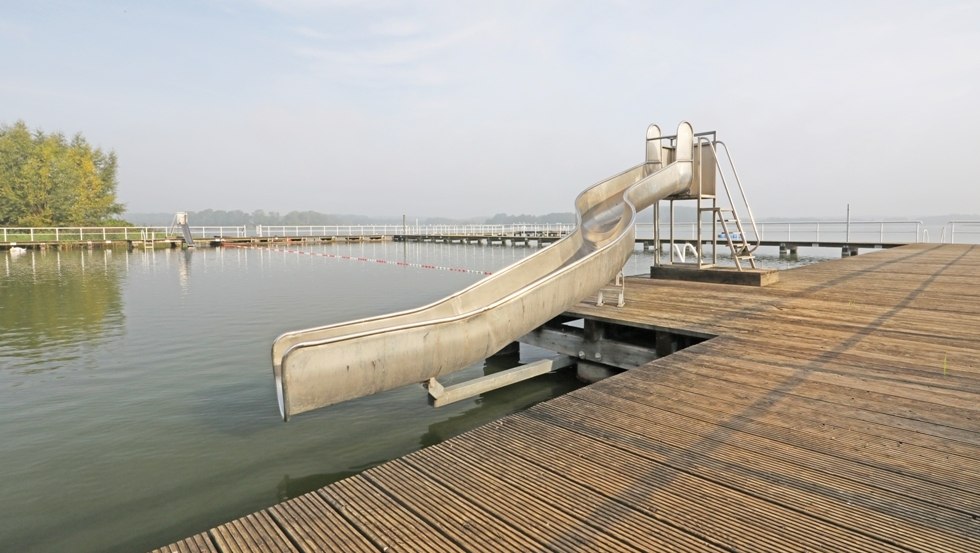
(741, 190)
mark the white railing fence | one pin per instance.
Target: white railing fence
(413, 230)
(106, 234)
(966, 232)
(55, 234)
(878, 232)
(73, 234)
(801, 232)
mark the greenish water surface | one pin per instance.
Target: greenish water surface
(137, 403)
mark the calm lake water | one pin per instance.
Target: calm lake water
(137, 403)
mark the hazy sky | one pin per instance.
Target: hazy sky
(460, 108)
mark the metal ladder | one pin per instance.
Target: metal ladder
(728, 217)
(147, 239)
(737, 242)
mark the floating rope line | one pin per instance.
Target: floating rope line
(372, 260)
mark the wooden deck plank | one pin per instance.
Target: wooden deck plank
(838, 409)
(684, 499)
(311, 523)
(199, 543)
(802, 432)
(686, 433)
(621, 472)
(568, 518)
(834, 371)
(518, 506)
(928, 388)
(383, 519)
(255, 532)
(466, 523)
(890, 362)
(758, 403)
(798, 382)
(703, 508)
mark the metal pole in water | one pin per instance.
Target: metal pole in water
(847, 237)
(656, 235)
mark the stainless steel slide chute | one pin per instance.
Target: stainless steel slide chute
(322, 366)
(180, 222)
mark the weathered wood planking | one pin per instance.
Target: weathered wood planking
(836, 410)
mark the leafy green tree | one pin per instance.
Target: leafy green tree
(46, 180)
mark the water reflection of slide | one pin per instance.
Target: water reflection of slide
(321, 366)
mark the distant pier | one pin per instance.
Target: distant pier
(788, 236)
(837, 409)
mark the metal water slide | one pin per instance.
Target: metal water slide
(180, 221)
(185, 230)
(321, 366)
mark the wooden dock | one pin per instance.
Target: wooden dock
(836, 410)
(540, 239)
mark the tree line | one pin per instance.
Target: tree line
(50, 180)
(229, 218)
(302, 218)
(219, 217)
(505, 219)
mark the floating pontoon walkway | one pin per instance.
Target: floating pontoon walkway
(836, 410)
